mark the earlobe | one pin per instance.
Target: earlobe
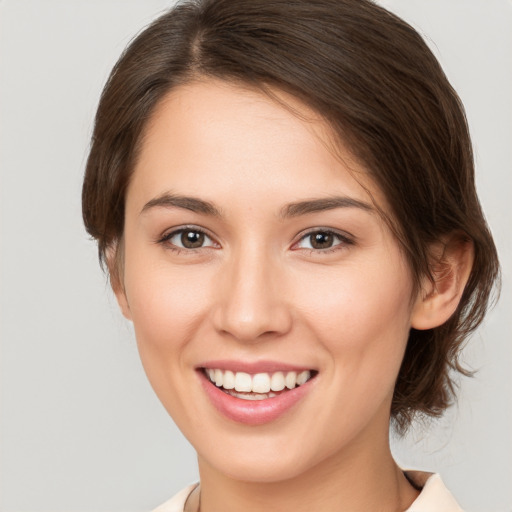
(452, 261)
(123, 302)
(114, 259)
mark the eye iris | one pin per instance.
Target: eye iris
(192, 239)
(321, 240)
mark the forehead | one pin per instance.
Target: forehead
(243, 141)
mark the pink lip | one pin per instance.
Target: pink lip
(253, 412)
(253, 367)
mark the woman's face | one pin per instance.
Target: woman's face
(253, 258)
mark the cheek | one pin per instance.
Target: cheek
(362, 319)
(167, 310)
(167, 306)
(362, 322)
(359, 304)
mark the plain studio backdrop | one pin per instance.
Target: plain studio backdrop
(80, 427)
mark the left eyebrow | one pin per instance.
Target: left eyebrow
(193, 204)
(319, 205)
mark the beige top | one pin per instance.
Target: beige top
(434, 496)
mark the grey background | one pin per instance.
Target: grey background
(80, 427)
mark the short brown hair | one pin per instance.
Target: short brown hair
(374, 80)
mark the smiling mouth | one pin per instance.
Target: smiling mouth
(260, 386)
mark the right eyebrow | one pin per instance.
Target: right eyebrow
(193, 204)
(323, 204)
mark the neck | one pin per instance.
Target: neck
(362, 478)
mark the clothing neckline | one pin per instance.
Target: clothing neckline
(433, 495)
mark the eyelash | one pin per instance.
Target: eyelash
(167, 237)
(343, 240)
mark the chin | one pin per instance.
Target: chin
(267, 457)
(261, 468)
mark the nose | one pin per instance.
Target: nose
(251, 303)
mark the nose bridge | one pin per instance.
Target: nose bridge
(252, 301)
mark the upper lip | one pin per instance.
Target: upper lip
(253, 367)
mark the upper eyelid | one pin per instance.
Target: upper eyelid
(342, 234)
(171, 232)
(189, 227)
(345, 240)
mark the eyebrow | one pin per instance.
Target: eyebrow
(188, 203)
(296, 209)
(319, 205)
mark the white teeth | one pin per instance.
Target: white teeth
(243, 382)
(277, 382)
(303, 377)
(290, 380)
(261, 385)
(252, 396)
(229, 380)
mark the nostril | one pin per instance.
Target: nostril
(249, 305)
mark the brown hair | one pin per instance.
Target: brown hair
(374, 80)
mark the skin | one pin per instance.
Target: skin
(256, 290)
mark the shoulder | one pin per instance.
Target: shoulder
(177, 502)
(433, 496)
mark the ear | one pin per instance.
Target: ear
(115, 263)
(452, 261)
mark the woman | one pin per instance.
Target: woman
(283, 193)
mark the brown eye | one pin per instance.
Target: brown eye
(192, 239)
(188, 238)
(321, 240)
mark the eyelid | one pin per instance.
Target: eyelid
(171, 232)
(343, 237)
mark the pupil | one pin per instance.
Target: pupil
(321, 240)
(192, 239)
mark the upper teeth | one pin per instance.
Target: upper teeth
(258, 383)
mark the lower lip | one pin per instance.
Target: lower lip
(253, 412)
